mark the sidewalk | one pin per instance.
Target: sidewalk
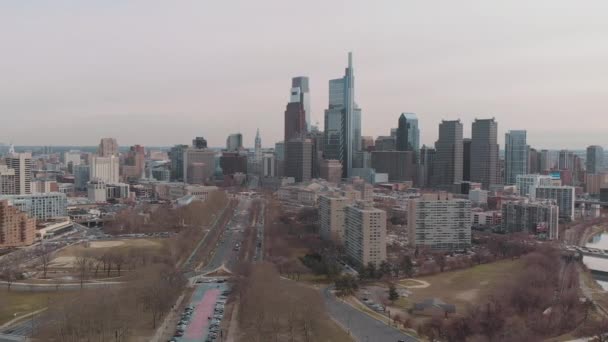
(162, 330)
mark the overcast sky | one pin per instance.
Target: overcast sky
(161, 72)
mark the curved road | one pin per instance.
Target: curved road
(361, 326)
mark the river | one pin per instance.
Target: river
(599, 264)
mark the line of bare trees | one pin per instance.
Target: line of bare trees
(274, 309)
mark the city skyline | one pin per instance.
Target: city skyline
(103, 77)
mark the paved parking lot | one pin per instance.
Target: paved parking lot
(204, 300)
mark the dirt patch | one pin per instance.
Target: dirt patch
(469, 295)
(105, 244)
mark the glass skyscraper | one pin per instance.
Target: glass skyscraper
(343, 122)
(413, 132)
(516, 156)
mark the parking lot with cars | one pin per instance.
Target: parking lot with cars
(202, 317)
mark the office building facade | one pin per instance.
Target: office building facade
(595, 159)
(105, 169)
(516, 156)
(484, 152)
(298, 159)
(447, 168)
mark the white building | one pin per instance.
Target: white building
(105, 169)
(331, 217)
(439, 222)
(365, 233)
(200, 193)
(71, 157)
(41, 206)
(96, 191)
(527, 183)
(564, 196)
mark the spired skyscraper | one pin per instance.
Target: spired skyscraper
(343, 122)
(516, 156)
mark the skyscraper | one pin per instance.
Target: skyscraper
(343, 121)
(105, 169)
(108, 147)
(466, 159)
(199, 142)
(595, 159)
(295, 113)
(176, 155)
(365, 233)
(447, 166)
(298, 159)
(301, 83)
(413, 132)
(234, 142)
(516, 156)
(403, 143)
(484, 152)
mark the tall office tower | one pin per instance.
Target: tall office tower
(425, 166)
(385, 143)
(199, 163)
(295, 116)
(298, 159)
(16, 228)
(105, 169)
(301, 84)
(447, 167)
(234, 142)
(595, 159)
(279, 152)
(533, 161)
(531, 218)
(269, 167)
(22, 164)
(198, 142)
(82, 175)
(565, 160)
(399, 165)
(258, 147)
(176, 155)
(413, 132)
(545, 161)
(108, 147)
(466, 159)
(134, 164)
(564, 196)
(403, 143)
(365, 233)
(367, 143)
(516, 156)
(343, 121)
(439, 222)
(331, 216)
(484, 152)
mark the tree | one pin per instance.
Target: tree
(440, 260)
(9, 273)
(385, 269)
(346, 285)
(392, 293)
(407, 266)
(44, 256)
(81, 266)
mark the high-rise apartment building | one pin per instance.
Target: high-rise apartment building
(595, 159)
(365, 233)
(332, 216)
(545, 161)
(527, 184)
(447, 168)
(22, 164)
(134, 163)
(40, 206)
(484, 152)
(516, 156)
(105, 169)
(439, 222)
(343, 121)
(298, 159)
(531, 218)
(7, 181)
(564, 196)
(16, 228)
(108, 147)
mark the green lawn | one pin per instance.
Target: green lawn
(22, 302)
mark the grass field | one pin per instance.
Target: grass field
(463, 287)
(23, 302)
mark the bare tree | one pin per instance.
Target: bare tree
(44, 255)
(9, 274)
(80, 265)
